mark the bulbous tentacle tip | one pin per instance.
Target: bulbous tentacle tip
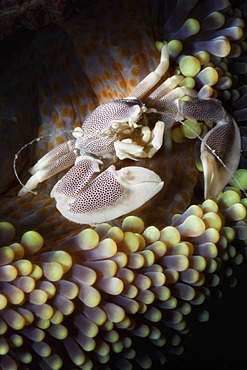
(110, 195)
(220, 155)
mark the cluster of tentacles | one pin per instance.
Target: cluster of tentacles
(98, 291)
(120, 294)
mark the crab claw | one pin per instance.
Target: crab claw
(220, 155)
(58, 159)
(111, 194)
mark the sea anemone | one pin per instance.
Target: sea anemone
(118, 294)
(96, 292)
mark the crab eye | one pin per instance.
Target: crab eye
(131, 101)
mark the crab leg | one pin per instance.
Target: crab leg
(111, 194)
(168, 106)
(153, 77)
(53, 155)
(167, 86)
(43, 171)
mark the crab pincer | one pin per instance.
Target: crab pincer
(111, 194)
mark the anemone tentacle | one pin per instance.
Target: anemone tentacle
(99, 290)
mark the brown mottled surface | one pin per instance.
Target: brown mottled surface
(57, 75)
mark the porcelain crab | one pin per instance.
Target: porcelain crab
(93, 191)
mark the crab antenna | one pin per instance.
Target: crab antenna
(216, 156)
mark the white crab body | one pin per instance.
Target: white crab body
(93, 191)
